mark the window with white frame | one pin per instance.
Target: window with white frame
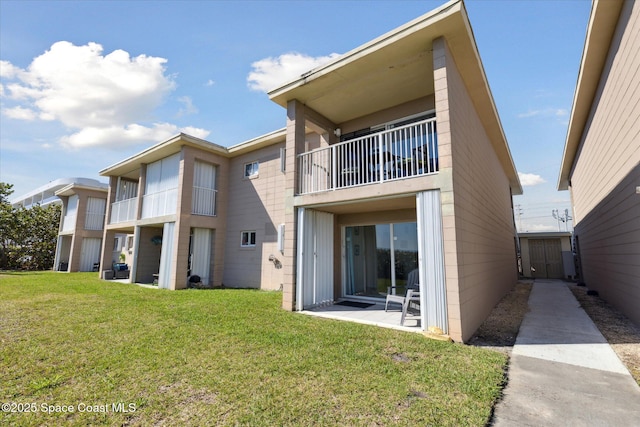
(248, 239)
(251, 170)
(204, 189)
(161, 187)
(94, 219)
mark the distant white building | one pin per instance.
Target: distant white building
(46, 194)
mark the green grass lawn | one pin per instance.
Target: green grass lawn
(220, 357)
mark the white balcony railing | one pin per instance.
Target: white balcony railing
(406, 151)
(94, 221)
(160, 203)
(69, 223)
(204, 201)
(124, 210)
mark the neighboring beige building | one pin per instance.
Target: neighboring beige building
(81, 226)
(393, 163)
(46, 194)
(187, 205)
(547, 255)
(407, 167)
(601, 160)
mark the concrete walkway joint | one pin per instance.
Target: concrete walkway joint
(562, 371)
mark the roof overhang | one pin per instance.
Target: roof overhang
(544, 234)
(396, 68)
(257, 143)
(399, 65)
(129, 166)
(56, 185)
(71, 189)
(600, 30)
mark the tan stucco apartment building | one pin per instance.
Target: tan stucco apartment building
(83, 202)
(393, 163)
(601, 160)
(81, 226)
(193, 208)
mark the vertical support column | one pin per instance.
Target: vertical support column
(294, 146)
(56, 261)
(443, 102)
(182, 232)
(433, 290)
(136, 253)
(142, 182)
(106, 255)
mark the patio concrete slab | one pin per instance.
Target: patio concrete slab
(562, 370)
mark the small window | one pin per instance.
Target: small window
(248, 239)
(251, 170)
(283, 159)
(130, 242)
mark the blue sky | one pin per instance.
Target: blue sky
(86, 84)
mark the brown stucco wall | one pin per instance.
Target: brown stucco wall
(74, 251)
(480, 257)
(606, 174)
(255, 204)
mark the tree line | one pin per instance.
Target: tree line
(27, 236)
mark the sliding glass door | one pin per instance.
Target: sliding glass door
(378, 258)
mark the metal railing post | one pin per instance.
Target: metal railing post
(334, 168)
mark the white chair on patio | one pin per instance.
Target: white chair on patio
(411, 297)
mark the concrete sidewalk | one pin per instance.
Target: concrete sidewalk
(562, 370)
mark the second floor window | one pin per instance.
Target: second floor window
(251, 170)
(94, 219)
(248, 239)
(161, 187)
(204, 189)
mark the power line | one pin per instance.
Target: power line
(564, 218)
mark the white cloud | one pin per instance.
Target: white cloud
(188, 108)
(8, 70)
(530, 179)
(197, 132)
(104, 99)
(532, 228)
(270, 72)
(546, 112)
(117, 136)
(210, 83)
(20, 113)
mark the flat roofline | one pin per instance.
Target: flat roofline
(55, 185)
(134, 162)
(367, 48)
(600, 30)
(179, 140)
(258, 142)
(70, 189)
(449, 21)
(546, 234)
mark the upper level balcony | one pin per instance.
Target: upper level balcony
(160, 203)
(204, 201)
(124, 210)
(69, 222)
(401, 152)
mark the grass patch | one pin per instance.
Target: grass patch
(221, 357)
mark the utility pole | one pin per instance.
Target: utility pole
(564, 218)
(518, 209)
(554, 213)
